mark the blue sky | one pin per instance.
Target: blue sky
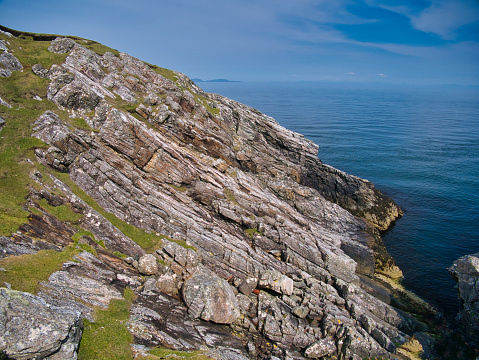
(408, 41)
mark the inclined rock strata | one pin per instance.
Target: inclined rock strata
(268, 219)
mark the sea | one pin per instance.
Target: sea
(417, 144)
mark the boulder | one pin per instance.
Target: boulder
(9, 63)
(32, 328)
(61, 45)
(147, 265)
(168, 283)
(39, 70)
(210, 298)
(274, 280)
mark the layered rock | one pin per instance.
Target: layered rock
(265, 216)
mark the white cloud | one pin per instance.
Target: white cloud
(382, 75)
(444, 17)
(349, 73)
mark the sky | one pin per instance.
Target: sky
(421, 42)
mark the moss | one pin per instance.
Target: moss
(178, 188)
(228, 193)
(24, 272)
(162, 353)
(253, 232)
(183, 244)
(108, 337)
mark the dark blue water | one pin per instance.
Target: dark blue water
(419, 145)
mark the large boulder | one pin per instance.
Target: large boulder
(210, 298)
(32, 328)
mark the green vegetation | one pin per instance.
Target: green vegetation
(228, 193)
(95, 47)
(147, 240)
(252, 232)
(63, 212)
(24, 272)
(178, 188)
(182, 243)
(108, 337)
(17, 145)
(30, 52)
(163, 353)
(169, 74)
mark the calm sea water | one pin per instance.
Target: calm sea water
(419, 145)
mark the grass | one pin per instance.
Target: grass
(162, 353)
(252, 232)
(108, 337)
(16, 144)
(178, 188)
(63, 212)
(96, 47)
(228, 193)
(169, 74)
(24, 272)
(30, 52)
(147, 240)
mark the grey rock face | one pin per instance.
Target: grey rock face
(61, 45)
(320, 348)
(465, 271)
(210, 298)
(39, 70)
(32, 328)
(273, 280)
(8, 63)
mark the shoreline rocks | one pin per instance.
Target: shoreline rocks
(465, 271)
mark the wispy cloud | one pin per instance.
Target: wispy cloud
(444, 17)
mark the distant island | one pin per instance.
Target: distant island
(214, 80)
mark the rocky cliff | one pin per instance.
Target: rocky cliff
(211, 227)
(465, 271)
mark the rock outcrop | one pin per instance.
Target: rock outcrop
(257, 233)
(465, 271)
(32, 328)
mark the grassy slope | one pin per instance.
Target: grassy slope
(108, 337)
